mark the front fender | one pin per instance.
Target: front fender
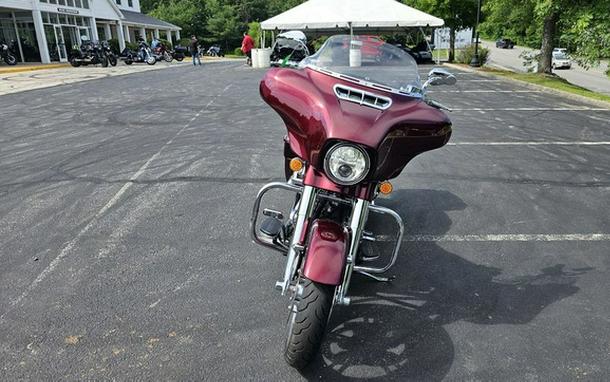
(326, 252)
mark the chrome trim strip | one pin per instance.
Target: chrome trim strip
(363, 94)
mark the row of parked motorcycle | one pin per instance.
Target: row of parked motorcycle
(91, 53)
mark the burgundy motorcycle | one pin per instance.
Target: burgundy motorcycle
(356, 114)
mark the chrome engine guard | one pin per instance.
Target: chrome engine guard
(360, 210)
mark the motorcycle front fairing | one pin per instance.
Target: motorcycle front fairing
(315, 117)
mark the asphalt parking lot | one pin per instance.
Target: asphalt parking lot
(125, 252)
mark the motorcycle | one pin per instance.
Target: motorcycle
(215, 51)
(112, 59)
(6, 55)
(179, 53)
(144, 54)
(88, 53)
(353, 123)
(161, 53)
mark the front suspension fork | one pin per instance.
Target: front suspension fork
(295, 250)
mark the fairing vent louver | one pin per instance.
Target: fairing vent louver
(362, 97)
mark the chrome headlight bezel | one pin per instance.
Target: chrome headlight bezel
(333, 177)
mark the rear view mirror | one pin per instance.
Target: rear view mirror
(440, 76)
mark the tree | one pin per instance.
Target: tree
(582, 25)
(223, 22)
(458, 14)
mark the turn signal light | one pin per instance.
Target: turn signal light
(296, 164)
(386, 188)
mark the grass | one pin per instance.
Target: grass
(550, 81)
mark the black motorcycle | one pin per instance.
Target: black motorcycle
(144, 54)
(112, 59)
(89, 53)
(179, 53)
(6, 55)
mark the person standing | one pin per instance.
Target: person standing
(246, 47)
(194, 47)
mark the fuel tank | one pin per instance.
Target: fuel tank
(316, 117)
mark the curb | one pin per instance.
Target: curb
(532, 86)
(18, 69)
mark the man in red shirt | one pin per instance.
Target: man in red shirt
(246, 46)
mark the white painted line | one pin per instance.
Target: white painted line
(499, 237)
(485, 91)
(558, 143)
(531, 109)
(70, 245)
(511, 237)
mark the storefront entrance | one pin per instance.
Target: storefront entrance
(64, 33)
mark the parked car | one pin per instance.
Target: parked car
(562, 50)
(419, 53)
(505, 43)
(560, 60)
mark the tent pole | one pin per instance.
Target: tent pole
(351, 31)
(427, 44)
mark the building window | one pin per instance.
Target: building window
(61, 2)
(118, 2)
(130, 3)
(70, 3)
(86, 4)
(78, 4)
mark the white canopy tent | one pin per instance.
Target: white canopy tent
(330, 15)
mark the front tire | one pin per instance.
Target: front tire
(10, 59)
(112, 60)
(307, 322)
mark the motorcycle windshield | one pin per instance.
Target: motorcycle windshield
(368, 60)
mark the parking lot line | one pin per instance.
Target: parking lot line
(576, 108)
(485, 91)
(499, 237)
(531, 143)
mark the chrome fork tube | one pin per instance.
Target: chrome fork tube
(356, 224)
(306, 205)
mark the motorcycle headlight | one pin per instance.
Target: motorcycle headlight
(346, 164)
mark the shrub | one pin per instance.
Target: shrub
(466, 55)
(131, 46)
(238, 52)
(114, 45)
(167, 44)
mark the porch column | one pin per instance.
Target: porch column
(107, 31)
(157, 34)
(178, 34)
(143, 33)
(127, 35)
(41, 37)
(121, 35)
(94, 35)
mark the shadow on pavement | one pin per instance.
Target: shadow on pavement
(395, 331)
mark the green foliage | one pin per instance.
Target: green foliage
(217, 21)
(317, 43)
(131, 46)
(238, 52)
(167, 44)
(466, 54)
(254, 30)
(114, 45)
(583, 27)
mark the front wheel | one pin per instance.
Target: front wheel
(10, 59)
(104, 61)
(112, 59)
(179, 58)
(167, 57)
(151, 60)
(307, 321)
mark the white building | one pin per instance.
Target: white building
(46, 30)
